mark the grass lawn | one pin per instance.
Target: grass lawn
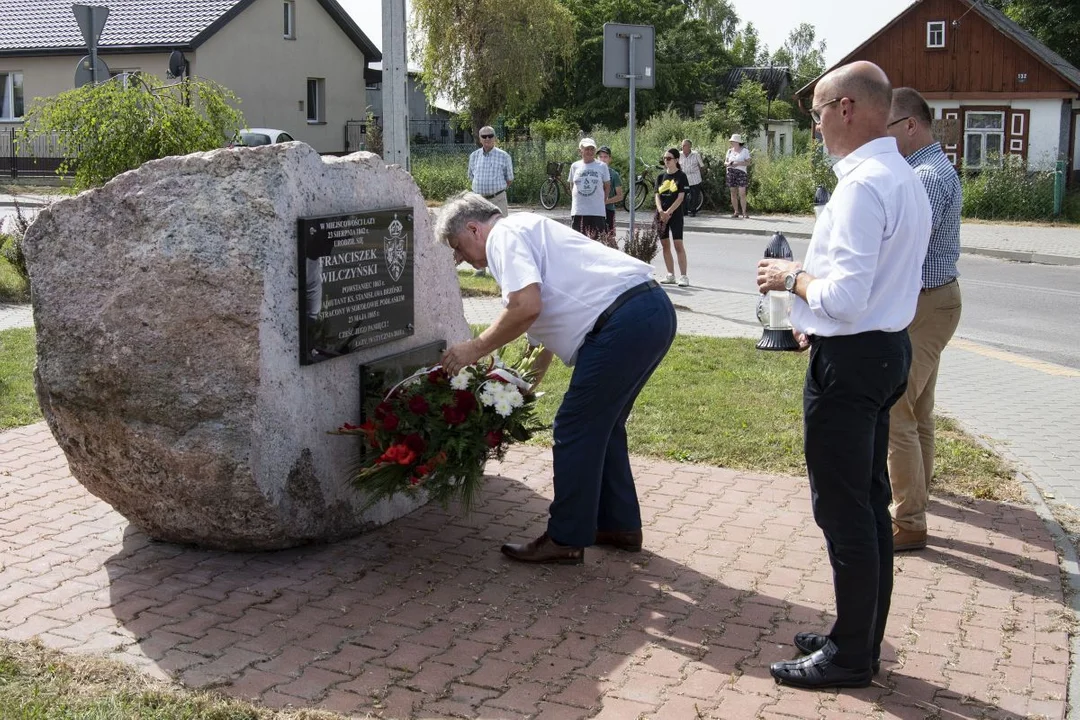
(473, 285)
(46, 685)
(18, 404)
(13, 288)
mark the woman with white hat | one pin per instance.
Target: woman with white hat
(736, 162)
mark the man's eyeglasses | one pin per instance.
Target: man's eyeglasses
(815, 112)
(897, 122)
(487, 137)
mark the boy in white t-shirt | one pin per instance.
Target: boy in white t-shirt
(590, 183)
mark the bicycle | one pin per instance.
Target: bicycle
(552, 188)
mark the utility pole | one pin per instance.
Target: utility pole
(395, 78)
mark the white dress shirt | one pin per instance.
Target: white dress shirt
(579, 278)
(868, 246)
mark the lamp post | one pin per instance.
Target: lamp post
(774, 307)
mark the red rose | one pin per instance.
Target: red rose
(464, 401)
(418, 405)
(436, 376)
(452, 415)
(382, 409)
(415, 443)
(406, 456)
(393, 453)
(390, 422)
(421, 471)
(494, 438)
(369, 429)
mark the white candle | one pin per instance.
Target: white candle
(778, 309)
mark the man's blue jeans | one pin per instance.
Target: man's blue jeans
(594, 488)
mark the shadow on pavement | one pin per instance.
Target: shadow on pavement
(425, 618)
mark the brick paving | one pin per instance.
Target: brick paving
(424, 618)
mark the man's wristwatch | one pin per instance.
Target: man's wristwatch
(790, 280)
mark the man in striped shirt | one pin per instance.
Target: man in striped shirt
(911, 421)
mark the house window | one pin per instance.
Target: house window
(290, 19)
(316, 100)
(984, 139)
(935, 34)
(11, 96)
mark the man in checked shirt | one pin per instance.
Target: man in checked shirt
(491, 170)
(911, 420)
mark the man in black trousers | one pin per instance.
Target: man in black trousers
(855, 296)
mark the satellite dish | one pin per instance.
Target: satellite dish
(177, 64)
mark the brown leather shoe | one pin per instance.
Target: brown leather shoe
(545, 550)
(628, 540)
(904, 540)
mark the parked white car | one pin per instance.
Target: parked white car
(253, 137)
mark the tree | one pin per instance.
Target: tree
(691, 56)
(492, 57)
(747, 108)
(1056, 23)
(747, 50)
(800, 53)
(116, 126)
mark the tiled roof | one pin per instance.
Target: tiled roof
(775, 80)
(49, 24)
(36, 27)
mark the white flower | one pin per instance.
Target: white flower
(503, 407)
(514, 396)
(461, 380)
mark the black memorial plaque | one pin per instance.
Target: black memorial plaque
(356, 281)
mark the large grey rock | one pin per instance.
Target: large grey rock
(166, 311)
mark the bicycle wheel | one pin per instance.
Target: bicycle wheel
(700, 197)
(549, 193)
(642, 191)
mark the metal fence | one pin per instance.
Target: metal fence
(36, 158)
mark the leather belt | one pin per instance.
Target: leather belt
(936, 287)
(489, 197)
(621, 300)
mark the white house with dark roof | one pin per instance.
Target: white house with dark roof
(297, 65)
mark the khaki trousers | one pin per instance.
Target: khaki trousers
(500, 202)
(911, 420)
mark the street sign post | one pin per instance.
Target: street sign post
(630, 62)
(91, 20)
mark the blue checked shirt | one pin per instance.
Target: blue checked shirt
(943, 188)
(490, 173)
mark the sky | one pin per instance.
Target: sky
(843, 24)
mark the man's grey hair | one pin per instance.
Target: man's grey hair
(458, 211)
(687, 141)
(487, 130)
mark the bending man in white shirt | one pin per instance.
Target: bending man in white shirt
(595, 308)
(855, 297)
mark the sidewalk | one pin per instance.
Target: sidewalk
(424, 618)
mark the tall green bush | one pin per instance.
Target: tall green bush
(1008, 192)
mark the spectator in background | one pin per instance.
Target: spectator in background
(671, 189)
(590, 185)
(616, 194)
(911, 422)
(736, 162)
(491, 170)
(694, 166)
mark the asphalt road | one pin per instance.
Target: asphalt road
(1023, 308)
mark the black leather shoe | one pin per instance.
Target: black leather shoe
(815, 671)
(811, 642)
(629, 540)
(545, 550)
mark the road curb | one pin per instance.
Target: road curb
(1068, 564)
(1024, 257)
